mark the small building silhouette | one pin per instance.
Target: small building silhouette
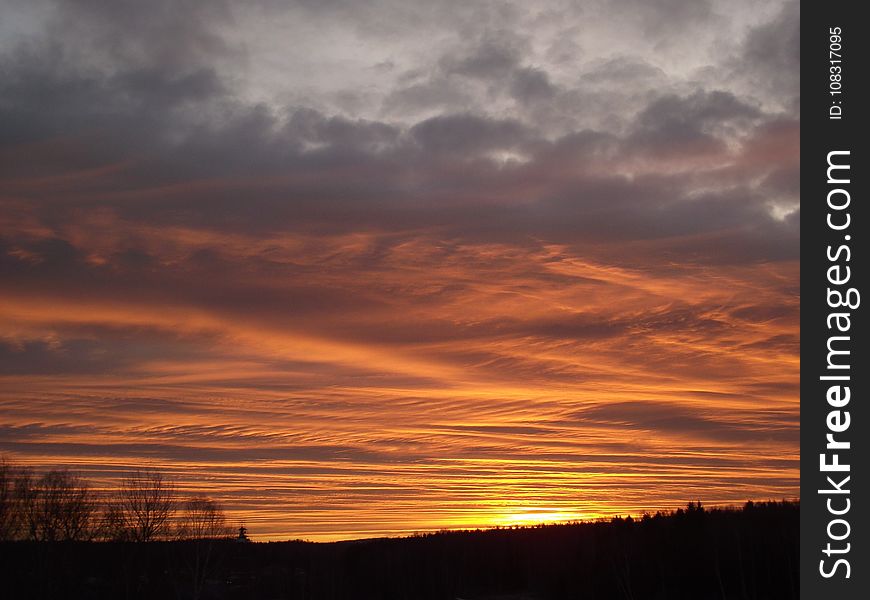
(243, 535)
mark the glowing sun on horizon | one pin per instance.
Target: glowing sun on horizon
(536, 516)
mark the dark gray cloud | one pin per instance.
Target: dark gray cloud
(674, 121)
(770, 57)
(176, 122)
(462, 135)
(530, 85)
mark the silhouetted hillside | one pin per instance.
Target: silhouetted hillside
(694, 554)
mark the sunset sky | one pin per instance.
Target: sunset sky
(364, 269)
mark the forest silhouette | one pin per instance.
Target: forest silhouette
(61, 539)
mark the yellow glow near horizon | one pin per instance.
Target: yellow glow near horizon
(542, 516)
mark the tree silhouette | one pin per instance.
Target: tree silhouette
(56, 507)
(8, 506)
(145, 505)
(202, 523)
(202, 518)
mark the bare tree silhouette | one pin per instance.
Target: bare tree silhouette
(202, 518)
(56, 507)
(9, 510)
(145, 506)
(113, 525)
(202, 522)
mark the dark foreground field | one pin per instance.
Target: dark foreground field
(750, 553)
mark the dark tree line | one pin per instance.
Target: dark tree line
(748, 553)
(59, 506)
(157, 544)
